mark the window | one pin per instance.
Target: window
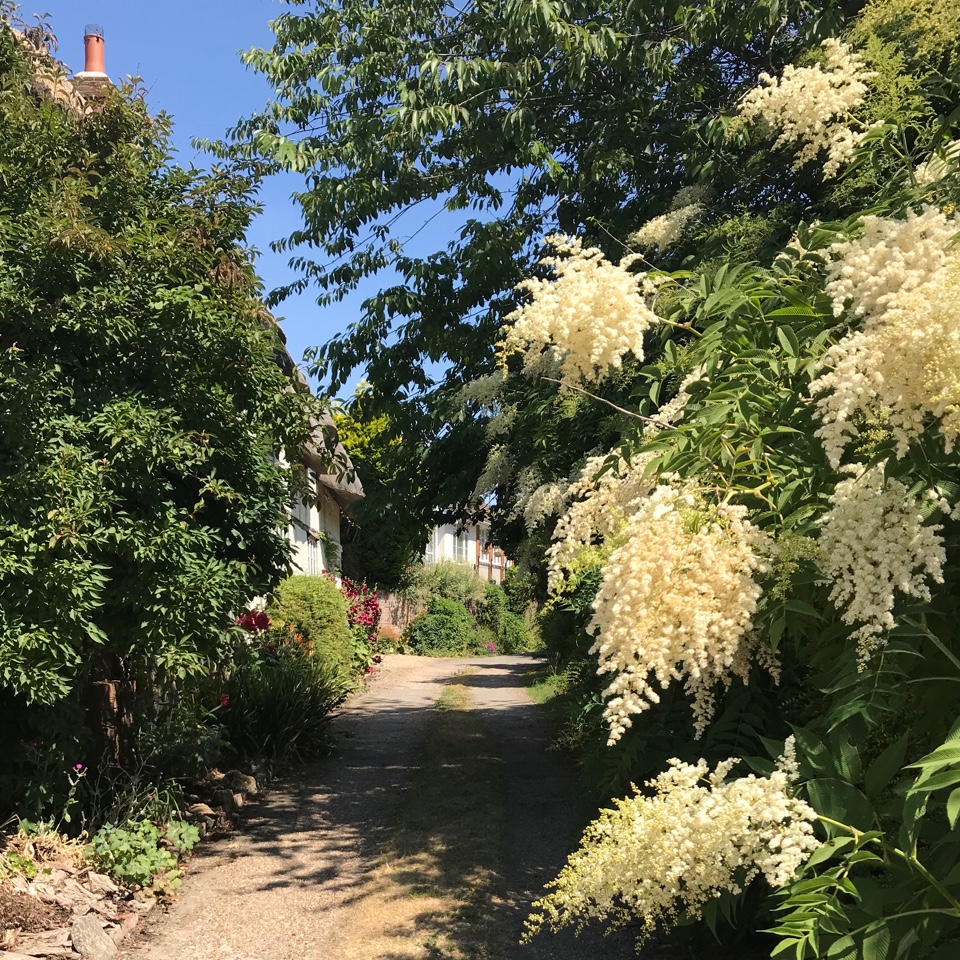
(313, 555)
(301, 512)
(430, 553)
(461, 544)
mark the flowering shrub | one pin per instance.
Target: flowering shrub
(699, 834)
(253, 621)
(676, 602)
(876, 544)
(363, 607)
(812, 106)
(588, 318)
(901, 282)
(665, 230)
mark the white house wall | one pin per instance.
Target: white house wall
(468, 546)
(311, 525)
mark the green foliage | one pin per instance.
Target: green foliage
(140, 400)
(520, 587)
(376, 551)
(447, 579)
(315, 610)
(513, 634)
(445, 628)
(277, 703)
(522, 120)
(509, 631)
(133, 853)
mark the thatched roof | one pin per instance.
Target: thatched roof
(324, 454)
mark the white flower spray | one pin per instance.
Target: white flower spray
(696, 836)
(676, 603)
(876, 545)
(590, 314)
(901, 282)
(811, 106)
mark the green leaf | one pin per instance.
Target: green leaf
(953, 808)
(788, 340)
(882, 771)
(876, 942)
(841, 801)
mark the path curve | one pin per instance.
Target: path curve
(283, 889)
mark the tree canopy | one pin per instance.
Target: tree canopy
(141, 403)
(581, 117)
(701, 349)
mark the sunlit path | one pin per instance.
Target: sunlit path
(426, 835)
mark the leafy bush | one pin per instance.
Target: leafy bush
(141, 498)
(133, 853)
(513, 635)
(447, 579)
(453, 609)
(277, 704)
(510, 631)
(314, 612)
(445, 628)
(520, 587)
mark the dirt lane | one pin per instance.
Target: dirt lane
(317, 872)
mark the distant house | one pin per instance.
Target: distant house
(467, 544)
(314, 528)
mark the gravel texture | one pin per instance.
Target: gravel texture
(283, 889)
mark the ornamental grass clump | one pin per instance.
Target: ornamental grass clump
(697, 835)
(676, 602)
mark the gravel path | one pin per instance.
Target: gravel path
(283, 889)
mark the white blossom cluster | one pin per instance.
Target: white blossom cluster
(901, 279)
(698, 834)
(940, 165)
(483, 390)
(676, 602)
(547, 500)
(589, 315)
(497, 470)
(673, 410)
(600, 506)
(875, 545)
(665, 230)
(812, 106)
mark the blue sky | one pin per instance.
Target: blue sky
(188, 57)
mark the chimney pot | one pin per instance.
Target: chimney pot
(93, 48)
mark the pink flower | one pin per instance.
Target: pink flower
(491, 647)
(78, 767)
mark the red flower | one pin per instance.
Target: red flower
(224, 699)
(262, 620)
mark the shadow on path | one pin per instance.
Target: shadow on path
(405, 843)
